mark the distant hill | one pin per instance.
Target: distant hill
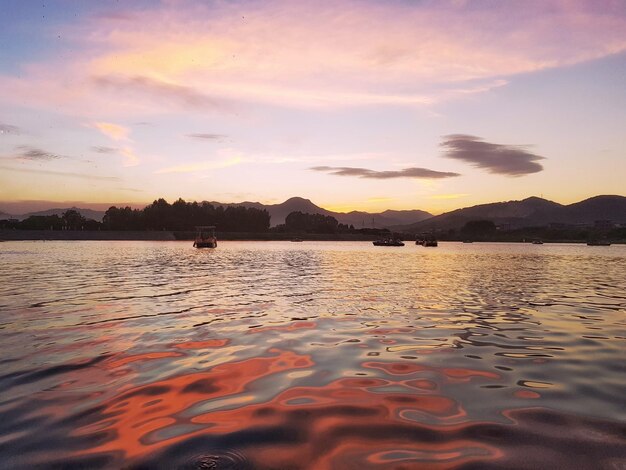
(592, 209)
(279, 212)
(87, 213)
(384, 219)
(529, 212)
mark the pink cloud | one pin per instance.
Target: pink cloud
(208, 57)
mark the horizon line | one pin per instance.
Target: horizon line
(103, 206)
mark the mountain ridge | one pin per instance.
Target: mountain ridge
(531, 211)
(278, 213)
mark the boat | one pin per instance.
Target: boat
(419, 242)
(599, 243)
(388, 242)
(296, 239)
(205, 237)
(429, 243)
(536, 241)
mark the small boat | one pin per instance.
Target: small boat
(536, 241)
(205, 237)
(429, 243)
(296, 239)
(419, 242)
(388, 242)
(599, 243)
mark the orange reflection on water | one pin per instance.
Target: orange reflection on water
(527, 394)
(467, 374)
(395, 368)
(343, 421)
(349, 419)
(138, 411)
(212, 343)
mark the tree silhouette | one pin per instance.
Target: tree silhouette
(73, 220)
(185, 216)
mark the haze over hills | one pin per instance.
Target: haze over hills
(529, 212)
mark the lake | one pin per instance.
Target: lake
(320, 355)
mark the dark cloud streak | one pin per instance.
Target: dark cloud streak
(35, 154)
(510, 160)
(207, 136)
(9, 129)
(366, 173)
(102, 149)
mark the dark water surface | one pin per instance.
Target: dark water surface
(277, 355)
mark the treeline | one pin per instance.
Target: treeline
(486, 230)
(69, 220)
(160, 215)
(185, 216)
(299, 222)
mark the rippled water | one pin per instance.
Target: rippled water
(277, 355)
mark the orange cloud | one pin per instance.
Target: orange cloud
(113, 131)
(131, 157)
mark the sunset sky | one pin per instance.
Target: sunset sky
(367, 105)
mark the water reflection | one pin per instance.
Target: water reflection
(262, 355)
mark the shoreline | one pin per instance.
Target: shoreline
(166, 235)
(106, 235)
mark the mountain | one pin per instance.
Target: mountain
(384, 219)
(87, 213)
(529, 212)
(595, 208)
(278, 213)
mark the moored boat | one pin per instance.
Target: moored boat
(430, 243)
(388, 242)
(599, 243)
(205, 237)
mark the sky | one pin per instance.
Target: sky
(356, 105)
